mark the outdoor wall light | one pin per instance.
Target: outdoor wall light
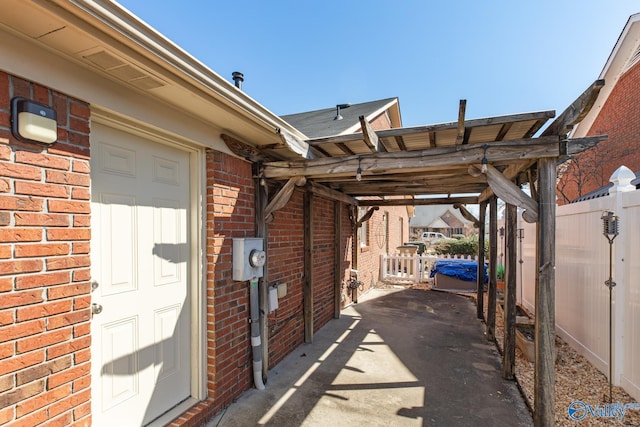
(33, 122)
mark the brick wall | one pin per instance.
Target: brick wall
(230, 213)
(286, 266)
(324, 247)
(619, 118)
(44, 266)
(378, 240)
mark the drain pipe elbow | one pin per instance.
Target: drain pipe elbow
(256, 343)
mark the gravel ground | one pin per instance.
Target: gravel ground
(576, 380)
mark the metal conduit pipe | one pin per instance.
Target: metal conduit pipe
(256, 343)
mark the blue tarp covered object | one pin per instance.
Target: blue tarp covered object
(462, 269)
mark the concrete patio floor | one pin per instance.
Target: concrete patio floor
(400, 357)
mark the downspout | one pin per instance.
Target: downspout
(258, 290)
(256, 342)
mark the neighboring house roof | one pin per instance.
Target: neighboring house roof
(451, 220)
(438, 223)
(624, 55)
(321, 123)
(425, 216)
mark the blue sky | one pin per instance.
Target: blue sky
(503, 57)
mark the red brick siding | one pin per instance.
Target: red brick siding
(619, 118)
(323, 262)
(44, 264)
(369, 255)
(286, 266)
(230, 213)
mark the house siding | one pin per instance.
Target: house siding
(619, 119)
(44, 265)
(45, 270)
(378, 241)
(230, 214)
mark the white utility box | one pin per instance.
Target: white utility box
(248, 258)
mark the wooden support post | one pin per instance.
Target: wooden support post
(480, 281)
(509, 347)
(544, 365)
(261, 229)
(308, 267)
(493, 277)
(338, 254)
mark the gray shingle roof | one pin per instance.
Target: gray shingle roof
(321, 123)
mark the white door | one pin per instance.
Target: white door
(139, 256)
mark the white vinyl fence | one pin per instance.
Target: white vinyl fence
(582, 267)
(415, 268)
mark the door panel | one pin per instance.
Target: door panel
(141, 356)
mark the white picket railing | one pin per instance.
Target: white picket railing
(414, 268)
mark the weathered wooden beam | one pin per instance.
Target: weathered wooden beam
(373, 191)
(246, 151)
(493, 264)
(432, 140)
(511, 193)
(419, 201)
(338, 254)
(297, 145)
(542, 115)
(307, 291)
(511, 172)
(544, 365)
(370, 136)
(330, 193)
(366, 216)
(468, 215)
(480, 270)
(570, 147)
(509, 343)
(345, 149)
(282, 198)
(576, 111)
(504, 129)
(400, 142)
(460, 132)
(515, 150)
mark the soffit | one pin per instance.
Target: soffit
(107, 40)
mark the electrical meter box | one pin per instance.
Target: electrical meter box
(248, 258)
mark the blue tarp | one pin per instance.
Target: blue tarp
(462, 269)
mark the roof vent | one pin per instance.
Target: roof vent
(338, 108)
(238, 78)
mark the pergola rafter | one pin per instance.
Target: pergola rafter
(462, 162)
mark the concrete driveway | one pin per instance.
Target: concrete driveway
(403, 357)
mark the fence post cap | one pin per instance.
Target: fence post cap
(621, 180)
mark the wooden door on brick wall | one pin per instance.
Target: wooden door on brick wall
(140, 254)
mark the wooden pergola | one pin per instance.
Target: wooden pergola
(462, 162)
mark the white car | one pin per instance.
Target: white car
(433, 237)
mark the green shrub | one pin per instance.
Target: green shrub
(465, 246)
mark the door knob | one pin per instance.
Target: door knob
(96, 308)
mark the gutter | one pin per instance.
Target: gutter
(116, 21)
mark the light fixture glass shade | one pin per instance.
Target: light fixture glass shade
(33, 122)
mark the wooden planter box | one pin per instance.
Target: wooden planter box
(524, 341)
